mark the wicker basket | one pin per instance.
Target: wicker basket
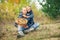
(21, 21)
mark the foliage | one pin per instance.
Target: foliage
(9, 10)
(52, 8)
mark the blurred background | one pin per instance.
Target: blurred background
(46, 12)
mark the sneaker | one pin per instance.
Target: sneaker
(26, 31)
(31, 29)
(20, 34)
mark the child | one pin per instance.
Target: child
(31, 16)
(31, 24)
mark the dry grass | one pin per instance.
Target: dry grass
(45, 32)
(48, 29)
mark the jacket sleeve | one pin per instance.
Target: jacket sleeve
(31, 16)
(20, 15)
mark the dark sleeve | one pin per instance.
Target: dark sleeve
(16, 25)
(20, 15)
(31, 15)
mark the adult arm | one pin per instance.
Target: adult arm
(20, 15)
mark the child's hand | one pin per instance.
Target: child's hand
(25, 16)
(26, 26)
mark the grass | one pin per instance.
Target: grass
(48, 29)
(58, 27)
(45, 32)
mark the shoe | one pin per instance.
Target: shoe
(26, 31)
(31, 29)
(20, 34)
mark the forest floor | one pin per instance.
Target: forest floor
(44, 32)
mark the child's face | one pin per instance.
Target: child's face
(24, 10)
(28, 8)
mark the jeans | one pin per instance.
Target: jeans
(35, 26)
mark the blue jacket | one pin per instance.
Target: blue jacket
(30, 19)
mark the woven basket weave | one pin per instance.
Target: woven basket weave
(21, 21)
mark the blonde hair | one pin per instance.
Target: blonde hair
(23, 7)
